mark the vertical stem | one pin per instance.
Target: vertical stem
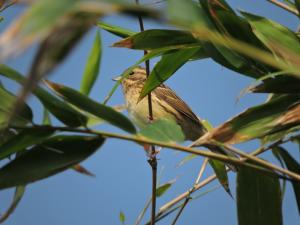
(152, 161)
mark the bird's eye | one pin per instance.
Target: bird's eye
(131, 73)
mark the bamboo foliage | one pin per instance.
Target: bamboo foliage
(263, 50)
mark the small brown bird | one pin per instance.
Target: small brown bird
(165, 104)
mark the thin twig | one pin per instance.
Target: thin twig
(144, 140)
(152, 160)
(188, 198)
(211, 178)
(284, 6)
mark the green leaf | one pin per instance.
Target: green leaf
(279, 39)
(116, 30)
(58, 108)
(86, 104)
(46, 117)
(258, 198)
(51, 157)
(221, 173)
(294, 166)
(162, 189)
(92, 66)
(166, 67)
(186, 159)
(27, 28)
(19, 192)
(158, 38)
(7, 104)
(281, 113)
(278, 85)
(185, 13)
(164, 130)
(122, 217)
(219, 17)
(23, 140)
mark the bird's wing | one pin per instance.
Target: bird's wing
(167, 94)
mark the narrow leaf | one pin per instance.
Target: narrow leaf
(92, 66)
(83, 102)
(122, 217)
(23, 140)
(155, 38)
(162, 189)
(166, 67)
(221, 173)
(258, 198)
(58, 108)
(19, 192)
(279, 114)
(294, 166)
(7, 103)
(116, 30)
(52, 156)
(164, 130)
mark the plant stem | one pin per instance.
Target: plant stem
(188, 198)
(211, 178)
(152, 160)
(284, 6)
(144, 140)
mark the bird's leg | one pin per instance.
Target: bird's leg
(148, 149)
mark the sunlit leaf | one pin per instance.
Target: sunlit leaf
(186, 159)
(162, 189)
(221, 173)
(155, 38)
(116, 30)
(52, 156)
(279, 39)
(166, 67)
(164, 130)
(92, 66)
(86, 104)
(122, 217)
(279, 114)
(258, 198)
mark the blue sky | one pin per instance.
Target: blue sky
(123, 177)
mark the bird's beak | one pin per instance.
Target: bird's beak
(117, 78)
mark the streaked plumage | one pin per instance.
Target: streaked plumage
(165, 102)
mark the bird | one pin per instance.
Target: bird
(165, 104)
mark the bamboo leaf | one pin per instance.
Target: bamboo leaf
(166, 67)
(164, 130)
(294, 166)
(58, 108)
(86, 104)
(279, 85)
(23, 140)
(52, 156)
(279, 39)
(157, 38)
(92, 66)
(221, 173)
(258, 198)
(8, 100)
(19, 192)
(279, 114)
(162, 189)
(116, 30)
